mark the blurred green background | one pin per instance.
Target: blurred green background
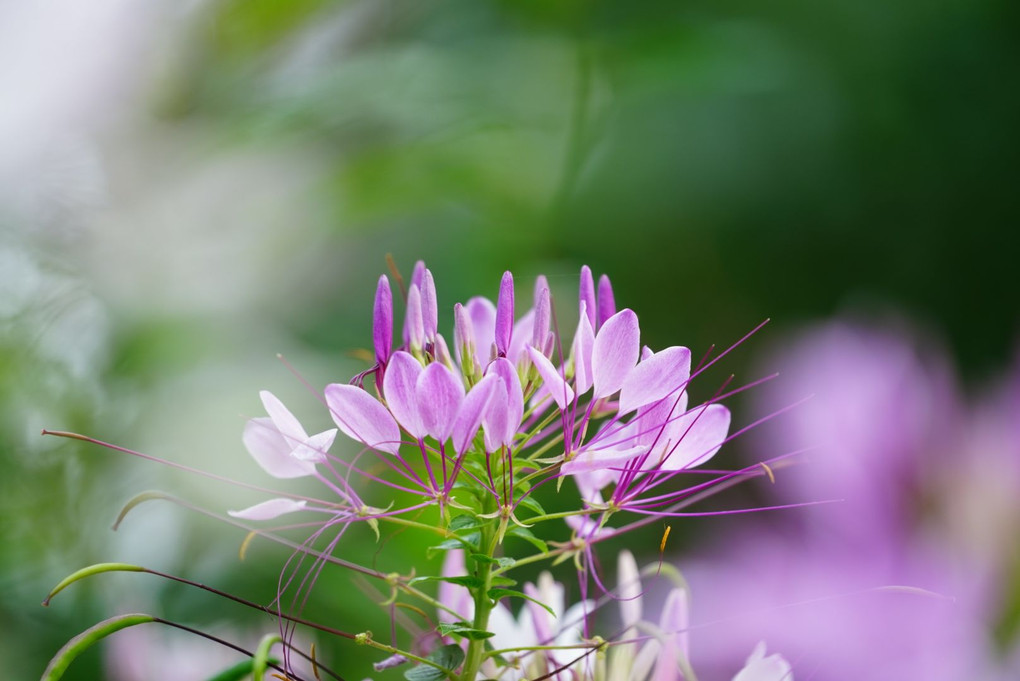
(188, 190)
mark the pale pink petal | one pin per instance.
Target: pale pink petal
(515, 396)
(482, 312)
(584, 341)
(472, 411)
(554, 383)
(414, 322)
(700, 431)
(314, 448)
(657, 423)
(591, 460)
(439, 395)
(286, 423)
(524, 329)
(361, 417)
(399, 389)
(663, 374)
(455, 596)
(673, 624)
(494, 423)
(761, 668)
(267, 510)
(615, 352)
(629, 589)
(272, 452)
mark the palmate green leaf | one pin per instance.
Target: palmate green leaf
(462, 629)
(449, 657)
(498, 593)
(86, 639)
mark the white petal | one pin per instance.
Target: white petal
(286, 423)
(272, 452)
(267, 510)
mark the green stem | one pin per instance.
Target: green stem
(483, 604)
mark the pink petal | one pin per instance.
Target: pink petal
(399, 389)
(382, 320)
(505, 313)
(472, 411)
(656, 423)
(361, 417)
(557, 387)
(586, 296)
(662, 374)
(607, 303)
(615, 352)
(285, 422)
(584, 341)
(701, 432)
(439, 395)
(272, 452)
(267, 510)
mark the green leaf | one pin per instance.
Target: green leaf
(96, 569)
(526, 534)
(241, 670)
(500, 580)
(498, 593)
(469, 542)
(470, 581)
(260, 660)
(462, 629)
(464, 522)
(449, 657)
(489, 560)
(529, 502)
(86, 639)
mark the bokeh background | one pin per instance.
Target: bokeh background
(187, 189)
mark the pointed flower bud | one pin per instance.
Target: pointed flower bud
(587, 296)
(413, 322)
(429, 307)
(464, 340)
(382, 321)
(417, 279)
(607, 303)
(504, 314)
(543, 314)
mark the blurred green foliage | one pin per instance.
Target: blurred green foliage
(723, 162)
